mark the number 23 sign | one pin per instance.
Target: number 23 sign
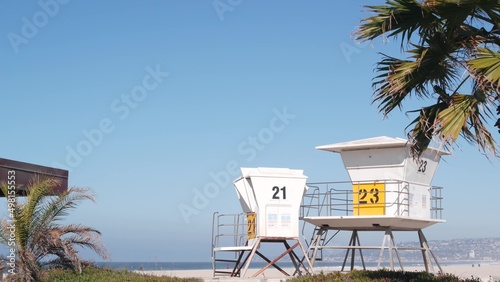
(369, 198)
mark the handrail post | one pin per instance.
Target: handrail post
(214, 222)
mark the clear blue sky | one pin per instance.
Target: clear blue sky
(155, 96)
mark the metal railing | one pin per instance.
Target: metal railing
(436, 202)
(337, 198)
(327, 199)
(229, 230)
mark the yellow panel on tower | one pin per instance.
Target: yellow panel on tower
(251, 225)
(368, 198)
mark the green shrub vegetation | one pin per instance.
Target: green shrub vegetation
(97, 274)
(382, 275)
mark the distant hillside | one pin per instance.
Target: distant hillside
(487, 249)
(455, 250)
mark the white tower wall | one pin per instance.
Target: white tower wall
(274, 195)
(382, 170)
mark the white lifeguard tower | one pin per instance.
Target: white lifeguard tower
(389, 191)
(270, 199)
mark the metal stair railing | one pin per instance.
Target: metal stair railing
(229, 235)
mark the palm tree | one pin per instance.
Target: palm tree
(39, 238)
(453, 60)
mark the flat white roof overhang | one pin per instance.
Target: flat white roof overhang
(381, 142)
(369, 223)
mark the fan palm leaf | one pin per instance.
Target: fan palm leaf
(445, 40)
(486, 67)
(465, 114)
(394, 18)
(424, 127)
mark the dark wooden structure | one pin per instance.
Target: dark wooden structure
(24, 174)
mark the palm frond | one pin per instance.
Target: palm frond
(397, 79)
(85, 237)
(453, 119)
(395, 18)
(452, 45)
(28, 220)
(460, 117)
(488, 11)
(59, 207)
(424, 127)
(452, 13)
(39, 237)
(486, 68)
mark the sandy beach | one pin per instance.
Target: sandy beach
(486, 272)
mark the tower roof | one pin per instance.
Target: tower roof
(371, 143)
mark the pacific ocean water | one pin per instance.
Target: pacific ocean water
(208, 265)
